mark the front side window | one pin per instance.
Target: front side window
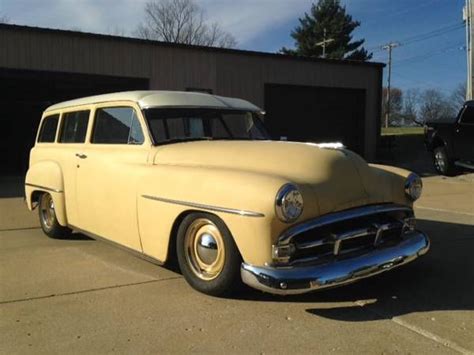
(48, 129)
(182, 124)
(117, 125)
(468, 115)
(74, 127)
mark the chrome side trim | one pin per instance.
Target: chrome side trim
(206, 207)
(302, 279)
(43, 187)
(287, 235)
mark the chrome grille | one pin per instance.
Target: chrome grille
(335, 236)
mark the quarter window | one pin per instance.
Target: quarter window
(48, 129)
(74, 127)
(117, 125)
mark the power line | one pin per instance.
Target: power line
(415, 58)
(423, 36)
(433, 34)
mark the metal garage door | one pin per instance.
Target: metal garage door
(317, 114)
(24, 96)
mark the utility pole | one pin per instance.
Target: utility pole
(468, 15)
(324, 42)
(389, 47)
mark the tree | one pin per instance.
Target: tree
(458, 97)
(327, 20)
(396, 104)
(181, 21)
(4, 19)
(410, 106)
(434, 105)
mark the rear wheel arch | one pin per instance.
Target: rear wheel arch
(35, 197)
(438, 142)
(46, 177)
(48, 218)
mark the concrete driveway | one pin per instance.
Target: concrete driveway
(85, 296)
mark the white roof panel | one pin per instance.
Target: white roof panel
(163, 99)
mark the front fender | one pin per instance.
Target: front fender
(163, 192)
(387, 183)
(46, 176)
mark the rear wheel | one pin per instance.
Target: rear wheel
(47, 216)
(442, 162)
(207, 255)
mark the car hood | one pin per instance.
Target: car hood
(330, 179)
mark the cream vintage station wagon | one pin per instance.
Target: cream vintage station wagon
(194, 177)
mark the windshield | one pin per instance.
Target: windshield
(168, 125)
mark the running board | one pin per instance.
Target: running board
(464, 165)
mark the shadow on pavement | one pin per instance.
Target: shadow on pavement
(75, 236)
(443, 279)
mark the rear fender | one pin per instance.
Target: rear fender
(46, 177)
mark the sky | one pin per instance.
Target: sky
(430, 32)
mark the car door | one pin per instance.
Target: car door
(72, 136)
(464, 135)
(112, 162)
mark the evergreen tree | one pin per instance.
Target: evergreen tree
(331, 16)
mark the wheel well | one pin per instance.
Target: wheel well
(437, 142)
(35, 196)
(172, 259)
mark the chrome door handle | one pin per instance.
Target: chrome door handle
(81, 156)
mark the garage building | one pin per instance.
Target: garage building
(305, 99)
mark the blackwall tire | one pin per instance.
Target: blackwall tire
(441, 161)
(48, 220)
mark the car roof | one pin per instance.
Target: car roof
(152, 98)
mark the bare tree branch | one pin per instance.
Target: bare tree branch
(434, 105)
(4, 19)
(181, 21)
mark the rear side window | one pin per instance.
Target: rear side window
(117, 125)
(468, 115)
(48, 129)
(74, 127)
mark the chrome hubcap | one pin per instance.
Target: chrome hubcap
(47, 212)
(439, 161)
(204, 249)
(207, 248)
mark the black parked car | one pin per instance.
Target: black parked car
(452, 141)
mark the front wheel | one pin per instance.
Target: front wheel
(442, 162)
(207, 255)
(48, 221)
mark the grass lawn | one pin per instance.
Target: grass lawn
(398, 131)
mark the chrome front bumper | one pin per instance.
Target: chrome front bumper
(302, 279)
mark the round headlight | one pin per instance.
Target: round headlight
(288, 203)
(413, 187)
